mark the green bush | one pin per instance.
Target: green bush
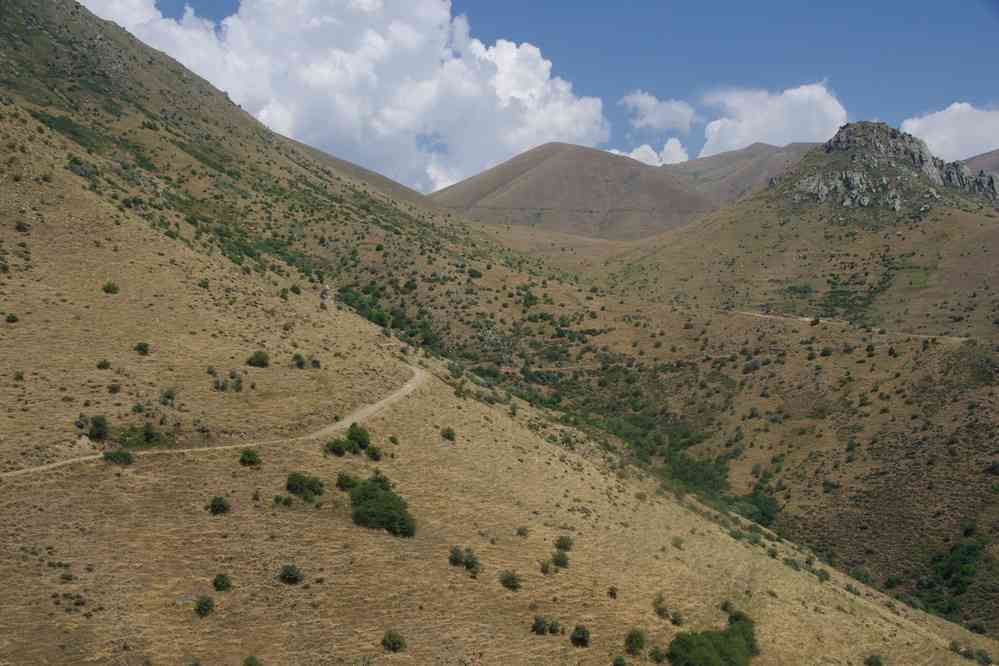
(110, 287)
(657, 655)
(204, 605)
(252, 661)
(560, 559)
(376, 505)
(221, 583)
(734, 646)
(345, 481)
(874, 660)
(634, 642)
(471, 562)
(454, 558)
(290, 575)
(142, 348)
(259, 359)
(619, 661)
(357, 434)
(374, 453)
(99, 429)
(218, 505)
(580, 636)
(103, 364)
(298, 360)
(448, 434)
(335, 447)
(510, 580)
(393, 641)
(564, 543)
(249, 458)
(119, 457)
(305, 486)
(11, 318)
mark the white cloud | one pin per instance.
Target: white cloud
(672, 153)
(399, 86)
(958, 132)
(649, 112)
(806, 113)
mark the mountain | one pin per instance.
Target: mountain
(729, 176)
(571, 189)
(984, 162)
(180, 482)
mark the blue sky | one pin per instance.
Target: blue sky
(717, 75)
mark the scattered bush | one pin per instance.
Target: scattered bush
(540, 625)
(454, 558)
(142, 348)
(103, 364)
(560, 559)
(259, 359)
(564, 543)
(874, 660)
(448, 434)
(471, 562)
(252, 661)
(734, 646)
(221, 583)
(204, 605)
(510, 580)
(298, 360)
(634, 642)
(119, 457)
(305, 486)
(11, 318)
(357, 434)
(392, 641)
(249, 458)
(376, 505)
(345, 481)
(99, 429)
(522, 532)
(290, 575)
(218, 506)
(619, 661)
(110, 288)
(335, 447)
(374, 453)
(657, 655)
(580, 636)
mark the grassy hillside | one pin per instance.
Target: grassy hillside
(156, 242)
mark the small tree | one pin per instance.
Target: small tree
(221, 583)
(290, 575)
(393, 641)
(204, 605)
(449, 434)
(249, 458)
(510, 580)
(357, 434)
(634, 642)
(218, 505)
(580, 636)
(99, 429)
(564, 542)
(259, 359)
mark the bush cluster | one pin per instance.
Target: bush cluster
(375, 504)
(305, 486)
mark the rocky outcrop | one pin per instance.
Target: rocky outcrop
(887, 168)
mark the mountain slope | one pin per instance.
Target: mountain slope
(984, 162)
(729, 176)
(572, 189)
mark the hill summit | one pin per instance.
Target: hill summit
(871, 164)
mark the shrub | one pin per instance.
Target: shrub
(218, 505)
(110, 288)
(560, 559)
(619, 661)
(522, 532)
(119, 457)
(290, 575)
(734, 646)
(580, 636)
(99, 429)
(249, 457)
(221, 583)
(657, 655)
(252, 661)
(393, 641)
(259, 359)
(540, 625)
(454, 558)
(374, 453)
(471, 562)
(103, 364)
(547, 567)
(376, 505)
(11, 318)
(564, 543)
(345, 481)
(335, 447)
(510, 580)
(659, 605)
(874, 660)
(298, 360)
(204, 605)
(305, 486)
(142, 348)
(448, 434)
(357, 434)
(634, 642)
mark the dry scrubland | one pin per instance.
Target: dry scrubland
(139, 205)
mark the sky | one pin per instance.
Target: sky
(429, 92)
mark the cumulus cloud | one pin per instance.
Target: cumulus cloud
(672, 153)
(399, 86)
(649, 112)
(806, 113)
(958, 132)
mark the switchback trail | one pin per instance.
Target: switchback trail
(358, 415)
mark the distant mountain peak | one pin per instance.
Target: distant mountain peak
(874, 165)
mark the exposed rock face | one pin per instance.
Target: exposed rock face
(887, 169)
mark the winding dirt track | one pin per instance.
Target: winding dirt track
(358, 415)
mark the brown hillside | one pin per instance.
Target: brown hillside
(984, 162)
